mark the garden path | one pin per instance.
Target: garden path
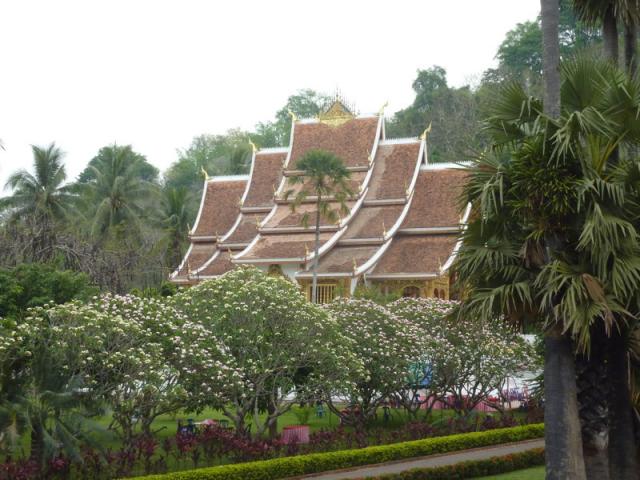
(428, 461)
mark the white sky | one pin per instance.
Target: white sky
(156, 73)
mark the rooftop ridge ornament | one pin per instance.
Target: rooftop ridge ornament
(426, 132)
(204, 173)
(337, 114)
(253, 146)
(294, 117)
(381, 111)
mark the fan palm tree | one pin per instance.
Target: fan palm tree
(39, 199)
(115, 193)
(609, 13)
(325, 178)
(555, 234)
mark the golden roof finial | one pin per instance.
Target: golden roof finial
(294, 117)
(384, 230)
(253, 146)
(204, 173)
(257, 222)
(229, 252)
(355, 265)
(426, 132)
(381, 111)
(306, 251)
(217, 236)
(188, 268)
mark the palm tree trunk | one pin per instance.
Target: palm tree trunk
(630, 47)
(593, 398)
(37, 444)
(316, 249)
(563, 442)
(623, 463)
(551, 57)
(610, 35)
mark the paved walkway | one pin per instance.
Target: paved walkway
(430, 461)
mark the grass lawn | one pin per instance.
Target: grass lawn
(536, 473)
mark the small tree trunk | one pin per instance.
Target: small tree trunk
(37, 444)
(316, 249)
(273, 422)
(610, 35)
(623, 463)
(630, 47)
(593, 397)
(563, 443)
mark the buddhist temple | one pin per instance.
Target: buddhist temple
(401, 232)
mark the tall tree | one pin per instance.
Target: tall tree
(325, 181)
(39, 200)
(115, 192)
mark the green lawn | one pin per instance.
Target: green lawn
(536, 473)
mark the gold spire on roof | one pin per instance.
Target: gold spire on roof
(253, 146)
(306, 251)
(426, 132)
(384, 230)
(355, 265)
(381, 111)
(294, 117)
(337, 114)
(204, 173)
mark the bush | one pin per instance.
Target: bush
(472, 468)
(321, 462)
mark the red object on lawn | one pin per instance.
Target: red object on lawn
(295, 434)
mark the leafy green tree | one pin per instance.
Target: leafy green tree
(325, 182)
(39, 200)
(305, 103)
(141, 169)
(31, 285)
(452, 112)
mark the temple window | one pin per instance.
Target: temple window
(411, 292)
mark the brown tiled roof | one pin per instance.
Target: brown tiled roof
(393, 170)
(267, 172)
(371, 222)
(246, 230)
(199, 254)
(435, 201)
(284, 217)
(414, 254)
(341, 258)
(221, 264)
(355, 181)
(284, 246)
(221, 207)
(352, 141)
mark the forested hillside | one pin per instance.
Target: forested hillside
(124, 224)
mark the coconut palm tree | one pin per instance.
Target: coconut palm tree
(39, 199)
(325, 179)
(115, 194)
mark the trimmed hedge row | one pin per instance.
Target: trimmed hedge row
(472, 468)
(320, 462)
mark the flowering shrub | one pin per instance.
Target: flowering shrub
(469, 358)
(386, 343)
(254, 341)
(115, 347)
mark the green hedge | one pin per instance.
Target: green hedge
(322, 462)
(472, 468)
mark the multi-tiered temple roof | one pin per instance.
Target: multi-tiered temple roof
(403, 222)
